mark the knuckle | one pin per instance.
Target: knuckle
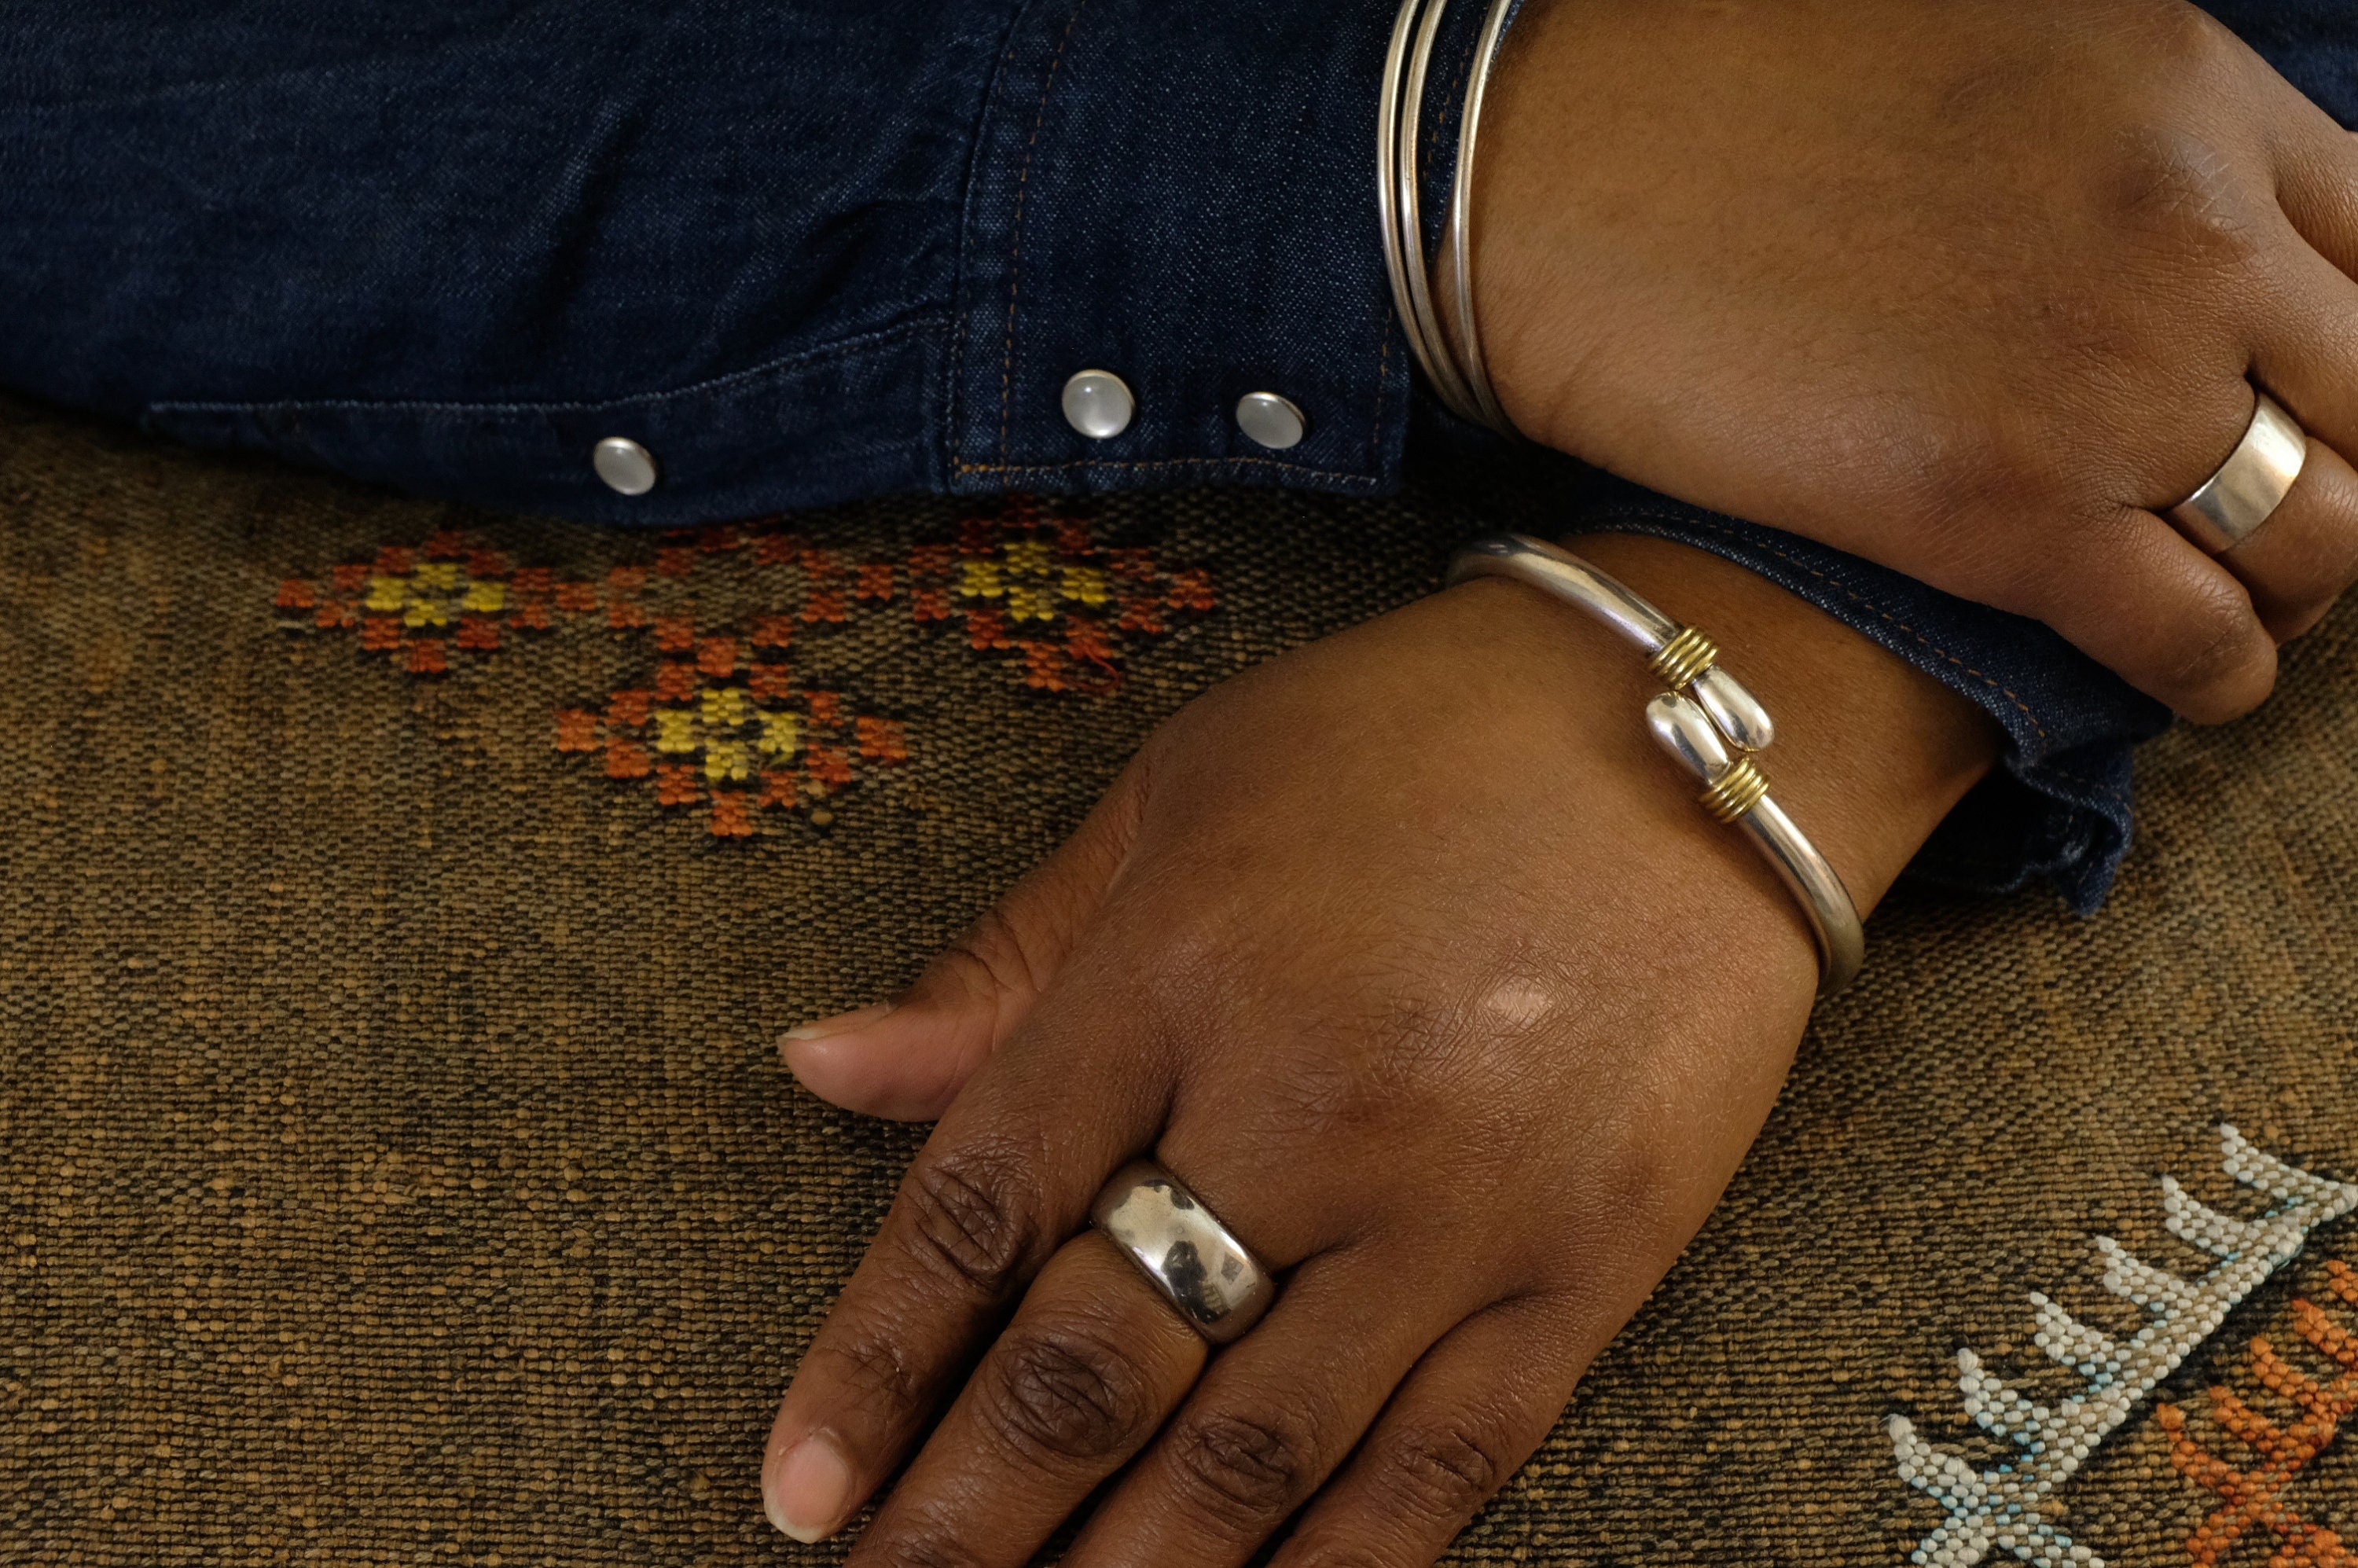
(989, 956)
(1247, 1470)
(2218, 639)
(971, 1220)
(2187, 195)
(875, 1369)
(1442, 1473)
(1066, 1390)
(923, 1544)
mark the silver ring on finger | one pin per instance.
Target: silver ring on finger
(1197, 1263)
(2250, 485)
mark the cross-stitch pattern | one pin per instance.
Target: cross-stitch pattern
(2254, 1497)
(718, 719)
(2003, 1508)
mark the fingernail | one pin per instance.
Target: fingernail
(811, 1491)
(841, 1024)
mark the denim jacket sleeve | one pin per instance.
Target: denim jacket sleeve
(808, 250)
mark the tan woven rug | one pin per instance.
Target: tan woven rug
(400, 904)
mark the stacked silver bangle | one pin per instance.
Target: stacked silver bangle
(1706, 719)
(1459, 375)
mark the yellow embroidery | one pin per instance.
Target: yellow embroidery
(1085, 584)
(1028, 558)
(386, 593)
(781, 733)
(1031, 604)
(424, 612)
(725, 705)
(727, 761)
(485, 598)
(674, 731)
(439, 575)
(980, 580)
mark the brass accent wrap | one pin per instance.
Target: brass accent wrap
(1683, 657)
(1736, 792)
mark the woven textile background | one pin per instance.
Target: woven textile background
(395, 1163)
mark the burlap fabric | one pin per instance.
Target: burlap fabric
(397, 1167)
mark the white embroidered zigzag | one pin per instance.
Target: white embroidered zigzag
(1999, 1508)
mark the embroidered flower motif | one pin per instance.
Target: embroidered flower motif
(1024, 581)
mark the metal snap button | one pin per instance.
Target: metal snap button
(1097, 403)
(1271, 420)
(627, 468)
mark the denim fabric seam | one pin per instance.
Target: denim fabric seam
(954, 424)
(841, 346)
(1855, 596)
(1340, 476)
(1015, 238)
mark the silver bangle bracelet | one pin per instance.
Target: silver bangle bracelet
(1462, 384)
(1706, 719)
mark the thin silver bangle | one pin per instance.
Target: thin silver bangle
(1464, 386)
(1706, 719)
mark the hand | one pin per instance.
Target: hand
(1969, 287)
(1415, 960)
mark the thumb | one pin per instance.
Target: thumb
(907, 1058)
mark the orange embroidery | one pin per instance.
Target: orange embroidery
(826, 708)
(717, 540)
(577, 596)
(2255, 1496)
(824, 604)
(882, 740)
(777, 788)
(577, 730)
(1045, 667)
(533, 579)
(985, 630)
(774, 631)
(676, 783)
(777, 549)
(674, 681)
(427, 657)
(731, 814)
(350, 579)
(769, 682)
(717, 655)
(827, 767)
(478, 634)
(675, 561)
(628, 710)
(392, 561)
(674, 634)
(876, 582)
(626, 615)
(380, 634)
(444, 544)
(627, 580)
(486, 564)
(1190, 590)
(295, 594)
(627, 760)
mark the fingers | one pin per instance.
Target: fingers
(1006, 1177)
(1093, 1362)
(1276, 1413)
(1474, 1409)
(2168, 619)
(2306, 554)
(908, 1059)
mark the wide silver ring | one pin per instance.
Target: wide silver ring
(1213, 1279)
(2250, 485)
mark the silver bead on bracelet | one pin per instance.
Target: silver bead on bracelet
(1706, 719)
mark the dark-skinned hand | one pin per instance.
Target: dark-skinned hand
(1412, 957)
